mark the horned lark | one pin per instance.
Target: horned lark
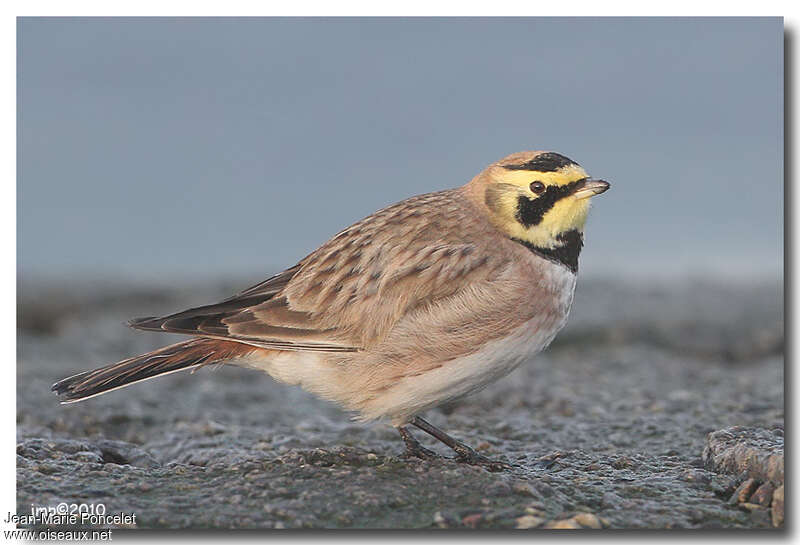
(420, 303)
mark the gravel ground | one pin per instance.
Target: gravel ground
(606, 429)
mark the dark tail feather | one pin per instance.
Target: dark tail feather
(176, 357)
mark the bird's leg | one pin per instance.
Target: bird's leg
(464, 454)
(414, 447)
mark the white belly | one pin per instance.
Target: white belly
(465, 375)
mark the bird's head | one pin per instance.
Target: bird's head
(538, 198)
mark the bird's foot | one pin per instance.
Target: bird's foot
(467, 455)
(464, 454)
(414, 448)
(422, 453)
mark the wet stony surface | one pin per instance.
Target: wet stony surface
(607, 429)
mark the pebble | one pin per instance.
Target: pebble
(750, 506)
(565, 524)
(472, 520)
(523, 489)
(588, 520)
(763, 494)
(622, 462)
(528, 521)
(47, 469)
(743, 492)
(696, 476)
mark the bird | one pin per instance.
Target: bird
(419, 304)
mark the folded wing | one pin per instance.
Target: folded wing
(347, 295)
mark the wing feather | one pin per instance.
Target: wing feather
(349, 293)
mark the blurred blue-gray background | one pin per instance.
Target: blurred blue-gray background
(167, 149)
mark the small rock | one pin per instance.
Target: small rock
(695, 476)
(536, 509)
(523, 489)
(622, 463)
(565, 524)
(763, 495)
(777, 507)
(47, 469)
(473, 520)
(588, 520)
(528, 521)
(743, 492)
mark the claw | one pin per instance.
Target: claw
(422, 453)
(414, 448)
(466, 455)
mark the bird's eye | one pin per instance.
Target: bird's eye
(537, 187)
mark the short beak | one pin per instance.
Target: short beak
(590, 187)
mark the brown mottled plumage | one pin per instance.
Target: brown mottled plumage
(421, 302)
